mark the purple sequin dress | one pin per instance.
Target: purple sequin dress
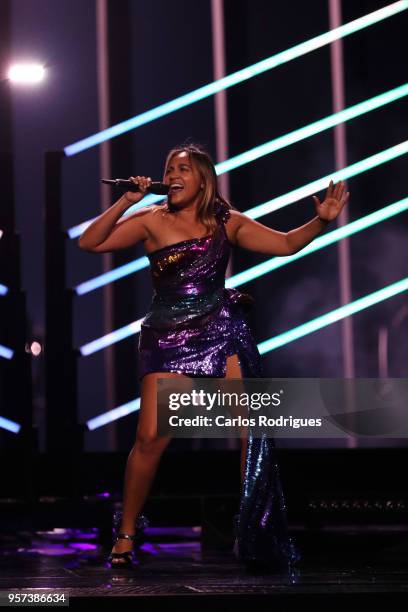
(193, 324)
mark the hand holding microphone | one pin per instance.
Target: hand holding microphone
(143, 184)
(136, 187)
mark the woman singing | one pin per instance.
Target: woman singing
(196, 327)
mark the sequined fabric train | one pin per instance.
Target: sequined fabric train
(194, 322)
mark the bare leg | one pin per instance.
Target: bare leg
(234, 371)
(143, 459)
(146, 453)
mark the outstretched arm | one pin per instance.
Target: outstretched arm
(257, 237)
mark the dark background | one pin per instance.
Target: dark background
(160, 50)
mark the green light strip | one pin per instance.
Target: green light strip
(282, 339)
(313, 128)
(319, 243)
(237, 77)
(263, 268)
(258, 211)
(332, 317)
(341, 175)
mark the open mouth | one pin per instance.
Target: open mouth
(176, 187)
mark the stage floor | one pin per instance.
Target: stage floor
(362, 564)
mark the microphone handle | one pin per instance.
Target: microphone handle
(126, 185)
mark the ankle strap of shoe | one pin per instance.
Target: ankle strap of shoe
(126, 536)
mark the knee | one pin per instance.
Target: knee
(150, 444)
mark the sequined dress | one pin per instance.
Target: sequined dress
(194, 322)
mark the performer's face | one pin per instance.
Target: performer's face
(182, 172)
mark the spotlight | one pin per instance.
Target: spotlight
(34, 348)
(26, 73)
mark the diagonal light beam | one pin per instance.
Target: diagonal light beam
(258, 211)
(9, 425)
(341, 175)
(111, 338)
(333, 316)
(114, 414)
(237, 77)
(6, 352)
(282, 339)
(281, 142)
(313, 128)
(318, 243)
(112, 275)
(265, 267)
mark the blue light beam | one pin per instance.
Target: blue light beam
(9, 425)
(280, 143)
(265, 267)
(5, 352)
(318, 243)
(114, 414)
(332, 317)
(260, 210)
(237, 77)
(282, 339)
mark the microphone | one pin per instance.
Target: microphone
(125, 185)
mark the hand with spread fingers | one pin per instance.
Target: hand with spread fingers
(332, 205)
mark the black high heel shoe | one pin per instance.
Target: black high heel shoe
(127, 558)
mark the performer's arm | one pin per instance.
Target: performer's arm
(109, 233)
(329, 209)
(257, 237)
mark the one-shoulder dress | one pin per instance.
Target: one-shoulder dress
(194, 322)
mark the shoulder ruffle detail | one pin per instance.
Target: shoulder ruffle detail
(221, 211)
